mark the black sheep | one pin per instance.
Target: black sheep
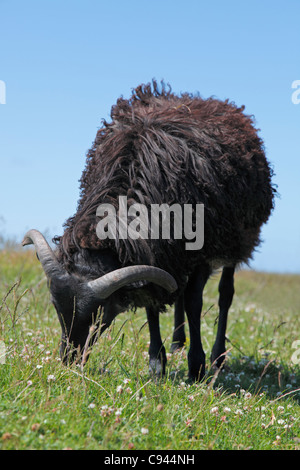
(160, 148)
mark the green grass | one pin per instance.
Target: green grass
(252, 404)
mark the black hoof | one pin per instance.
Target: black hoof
(176, 345)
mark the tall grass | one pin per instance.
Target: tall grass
(113, 403)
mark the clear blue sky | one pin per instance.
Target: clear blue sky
(66, 62)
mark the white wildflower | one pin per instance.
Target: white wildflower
(214, 410)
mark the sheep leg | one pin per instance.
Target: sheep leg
(178, 333)
(193, 306)
(226, 292)
(157, 352)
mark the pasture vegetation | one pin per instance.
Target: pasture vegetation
(113, 403)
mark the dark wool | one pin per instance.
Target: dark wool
(162, 148)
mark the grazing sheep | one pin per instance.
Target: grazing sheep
(160, 148)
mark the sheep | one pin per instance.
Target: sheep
(160, 148)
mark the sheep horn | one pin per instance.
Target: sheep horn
(45, 254)
(106, 285)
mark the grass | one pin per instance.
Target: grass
(114, 404)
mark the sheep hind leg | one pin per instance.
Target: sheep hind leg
(157, 352)
(226, 292)
(179, 338)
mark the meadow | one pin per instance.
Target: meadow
(114, 404)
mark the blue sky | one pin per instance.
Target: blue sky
(64, 64)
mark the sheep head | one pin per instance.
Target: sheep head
(85, 308)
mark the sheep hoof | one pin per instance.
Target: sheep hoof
(156, 368)
(176, 346)
(217, 360)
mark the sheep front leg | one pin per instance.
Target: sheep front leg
(193, 306)
(157, 352)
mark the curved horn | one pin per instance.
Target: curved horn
(106, 285)
(45, 254)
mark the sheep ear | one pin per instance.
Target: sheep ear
(106, 285)
(45, 254)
